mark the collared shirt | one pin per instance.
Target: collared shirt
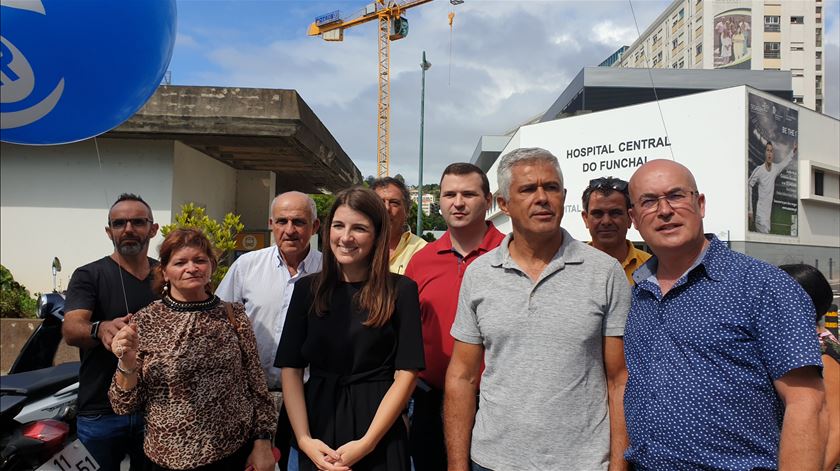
(544, 388)
(408, 246)
(634, 259)
(702, 360)
(261, 281)
(438, 270)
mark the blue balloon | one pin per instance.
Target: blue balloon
(71, 70)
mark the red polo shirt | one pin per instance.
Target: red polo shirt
(438, 270)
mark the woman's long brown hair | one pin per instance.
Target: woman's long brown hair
(378, 295)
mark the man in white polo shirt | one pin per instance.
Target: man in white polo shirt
(263, 281)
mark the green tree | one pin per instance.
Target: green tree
(323, 202)
(369, 180)
(399, 177)
(222, 235)
(15, 300)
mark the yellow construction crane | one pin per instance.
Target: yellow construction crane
(392, 26)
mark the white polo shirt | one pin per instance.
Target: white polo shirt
(261, 281)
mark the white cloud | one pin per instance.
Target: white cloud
(185, 40)
(510, 60)
(609, 34)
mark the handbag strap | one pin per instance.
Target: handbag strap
(229, 311)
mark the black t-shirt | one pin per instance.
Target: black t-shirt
(97, 287)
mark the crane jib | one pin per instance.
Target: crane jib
(328, 18)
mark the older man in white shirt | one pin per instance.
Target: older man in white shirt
(264, 280)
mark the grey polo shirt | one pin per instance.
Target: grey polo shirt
(543, 400)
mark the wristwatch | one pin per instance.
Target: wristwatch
(263, 436)
(94, 330)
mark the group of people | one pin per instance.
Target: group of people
(733, 39)
(478, 351)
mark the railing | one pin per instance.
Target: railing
(772, 28)
(772, 55)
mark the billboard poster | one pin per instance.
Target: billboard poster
(772, 166)
(733, 39)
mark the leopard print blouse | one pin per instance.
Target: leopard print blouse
(200, 383)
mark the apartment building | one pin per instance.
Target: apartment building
(736, 34)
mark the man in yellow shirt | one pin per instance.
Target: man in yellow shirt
(606, 202)
(403, 243)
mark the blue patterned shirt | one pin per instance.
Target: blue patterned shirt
(702, 360)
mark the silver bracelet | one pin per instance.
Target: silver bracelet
(125, 371)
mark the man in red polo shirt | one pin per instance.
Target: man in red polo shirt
(438, 270)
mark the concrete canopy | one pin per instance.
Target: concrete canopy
(248, 129)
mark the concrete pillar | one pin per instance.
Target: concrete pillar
(254, 192)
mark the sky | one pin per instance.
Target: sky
(503, 63)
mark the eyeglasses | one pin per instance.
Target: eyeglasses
(678, 199)
(608, 183)
(135, 222)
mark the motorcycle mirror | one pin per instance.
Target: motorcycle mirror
(56, 264)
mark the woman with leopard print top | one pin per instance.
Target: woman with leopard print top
(190, 363)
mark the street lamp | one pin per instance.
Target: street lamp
(424, 66)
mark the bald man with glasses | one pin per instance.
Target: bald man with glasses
(721, 348)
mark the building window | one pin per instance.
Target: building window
(679, 17)
(699, 49)
(798, 99)
(681, 64)
(797, 20)
(797, 47)
(771, 50)
(674, 43)
(771, 23)
(819, 182)
(797, 72)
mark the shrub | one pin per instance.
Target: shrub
(222, 235)
(15, 300)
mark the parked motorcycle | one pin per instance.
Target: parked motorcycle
(38, 401)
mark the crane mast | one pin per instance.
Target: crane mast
(383, 116)
(392, 26)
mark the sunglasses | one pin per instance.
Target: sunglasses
(135, 222)
(608, 183)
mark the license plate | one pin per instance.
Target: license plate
(74, 457)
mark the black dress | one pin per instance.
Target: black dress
(352, 366)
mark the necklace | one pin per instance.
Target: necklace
(183, 306)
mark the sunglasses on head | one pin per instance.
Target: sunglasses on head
(135, 222)
(610, 183)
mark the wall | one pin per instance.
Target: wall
(55, 201)
(202, 180)
(13, 336)
(254, 192)
(706, 133)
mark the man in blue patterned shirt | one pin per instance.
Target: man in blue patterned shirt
(721, 349)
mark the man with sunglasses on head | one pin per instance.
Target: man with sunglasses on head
(723, 359)
(263, 280)
(606, 205)
(101, 298)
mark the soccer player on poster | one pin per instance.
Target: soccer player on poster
(764, 177)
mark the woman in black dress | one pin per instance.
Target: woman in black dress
(357, 326)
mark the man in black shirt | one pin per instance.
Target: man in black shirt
(101, 297)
